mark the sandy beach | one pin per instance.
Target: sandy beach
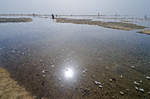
(10, 89)
(145, 32)
(113, 25)
(6, 20)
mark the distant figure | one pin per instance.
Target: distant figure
(53, 17)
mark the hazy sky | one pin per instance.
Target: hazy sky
(130, 7)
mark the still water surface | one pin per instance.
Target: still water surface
(61, 61)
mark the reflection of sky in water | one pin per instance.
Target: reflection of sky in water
(70, 54)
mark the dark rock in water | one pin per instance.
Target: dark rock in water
(43, 83)
(112, 79)
(85, 91)
(37, 74)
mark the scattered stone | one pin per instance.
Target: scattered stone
(41, 60)
(85, 70)
(132, 67)
(140, 81)
(107, 68)
(44, 75)
(85, 91)
(122, 93)
(147, 77)
(97, 83)
(136, 83)
(121, 76)
(43, 71)
(127, 89)
(52, 66)
(136, 88)
(100, 86)
(110, 80)
(93, 76)
(141, 90)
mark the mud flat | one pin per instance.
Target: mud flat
(145, 32)
(9, 89)
(6, 20)
(113, 25)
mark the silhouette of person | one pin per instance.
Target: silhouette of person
(53, 16)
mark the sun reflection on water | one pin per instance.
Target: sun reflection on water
(69, 73)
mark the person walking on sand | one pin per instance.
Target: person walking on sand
(53, 16)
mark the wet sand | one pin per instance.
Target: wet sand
(113, 25)
(6, 20)
(10, 89)
(145, 32)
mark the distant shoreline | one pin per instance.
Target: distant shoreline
(145, 32)
(6, 20)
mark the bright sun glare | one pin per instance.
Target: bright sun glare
(69, 73)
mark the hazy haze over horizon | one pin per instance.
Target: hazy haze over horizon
(124, 7)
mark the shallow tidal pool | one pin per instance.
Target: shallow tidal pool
(69, 61)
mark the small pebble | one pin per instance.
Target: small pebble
(93, 76)
(136, 83)
(97, 83)
(44, 75)
(122, 93)
(127, 89)
(133, 67)
(148, 92)
(141, 90)
(147, 77)
(110, 80)
(140, 81)
(43, 71)
(121, 76)
(136, 88)
(52, 66)
(100, 86)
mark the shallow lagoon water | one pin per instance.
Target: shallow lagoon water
(59, 60)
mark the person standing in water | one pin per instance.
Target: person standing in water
(53, 17)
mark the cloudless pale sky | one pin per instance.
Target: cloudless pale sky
(125, 7)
